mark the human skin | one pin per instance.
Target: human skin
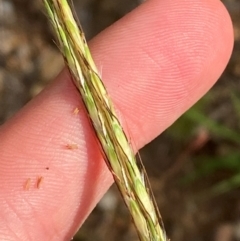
(156, 62)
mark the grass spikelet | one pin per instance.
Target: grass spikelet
(118, 153)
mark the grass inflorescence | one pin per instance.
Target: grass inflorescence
(118, 153)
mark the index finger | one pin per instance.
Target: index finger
(156, 62)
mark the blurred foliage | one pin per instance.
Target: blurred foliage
(226, 137)
(198, 115)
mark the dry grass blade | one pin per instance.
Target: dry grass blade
(119, 155)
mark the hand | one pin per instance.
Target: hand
(156, 62)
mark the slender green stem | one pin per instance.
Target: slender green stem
(118, 153)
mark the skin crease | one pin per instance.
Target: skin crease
(156, 62)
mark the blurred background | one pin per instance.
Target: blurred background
(197, 179)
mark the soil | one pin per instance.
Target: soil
(29, 60)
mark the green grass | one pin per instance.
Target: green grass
(223, 133)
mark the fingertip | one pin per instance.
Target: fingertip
(171, 52)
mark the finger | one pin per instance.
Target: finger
(156, 62)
